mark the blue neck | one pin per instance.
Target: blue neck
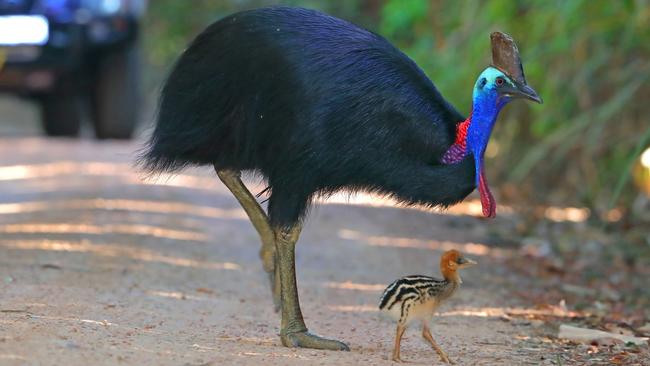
(485, 110)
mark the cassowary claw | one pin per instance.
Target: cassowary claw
(308, 340)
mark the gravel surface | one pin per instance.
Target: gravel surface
(100, 266)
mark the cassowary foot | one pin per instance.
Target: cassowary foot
(294, 332)
(308, 340)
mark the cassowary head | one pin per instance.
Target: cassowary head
(504, 80)
(497, 85)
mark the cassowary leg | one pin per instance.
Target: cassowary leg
(426, 333)
(232, 180)
(294, 332)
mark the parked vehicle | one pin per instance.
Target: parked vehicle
(73, 57)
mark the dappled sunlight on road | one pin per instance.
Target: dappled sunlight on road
(277, 352)
(104, 323)
(61, 168)
(11, 356)
(573, 214)
(255, 340)
(97, 251)
(498, 312)
(163, 207)
(63, 228)
(354, 286)
(73, 168)
(480, 312)
(400, 242)
(470, 207)
(115, 250)
(127, 174)
(354, 308)
(180, 296)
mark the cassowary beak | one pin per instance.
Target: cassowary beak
(520, 91)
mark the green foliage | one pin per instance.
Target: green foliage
(588, 59)
(171, 24)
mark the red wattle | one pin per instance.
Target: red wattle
(461, 132)
(458, 149)
(488, 203)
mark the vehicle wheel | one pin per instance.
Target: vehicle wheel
(61, 113)
(115, 94)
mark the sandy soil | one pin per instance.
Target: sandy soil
(98, 267)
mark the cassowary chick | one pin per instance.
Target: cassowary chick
(417, 297)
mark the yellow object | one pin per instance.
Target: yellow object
(641, 172)
(3, 57)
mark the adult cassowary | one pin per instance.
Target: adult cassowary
(316, 104)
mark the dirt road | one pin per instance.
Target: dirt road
(99, 267)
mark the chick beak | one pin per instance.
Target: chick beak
(467, 263)
(520, 91)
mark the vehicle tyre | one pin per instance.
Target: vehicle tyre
(115, 93)
(60, 112)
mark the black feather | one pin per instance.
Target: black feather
(313, 103)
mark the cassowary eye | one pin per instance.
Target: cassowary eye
(500, 81)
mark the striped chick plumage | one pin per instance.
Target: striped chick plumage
(417, 297)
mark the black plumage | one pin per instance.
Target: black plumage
(314, 104)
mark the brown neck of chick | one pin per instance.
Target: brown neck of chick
(451, 275)
(449, 268)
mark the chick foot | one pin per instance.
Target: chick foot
(445, 359)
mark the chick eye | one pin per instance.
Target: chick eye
(500, 81)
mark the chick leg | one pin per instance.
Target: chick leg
(398, 340)
(259, 219)
(426, 333)
(294, 332)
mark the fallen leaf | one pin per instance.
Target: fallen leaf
(619, 359)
